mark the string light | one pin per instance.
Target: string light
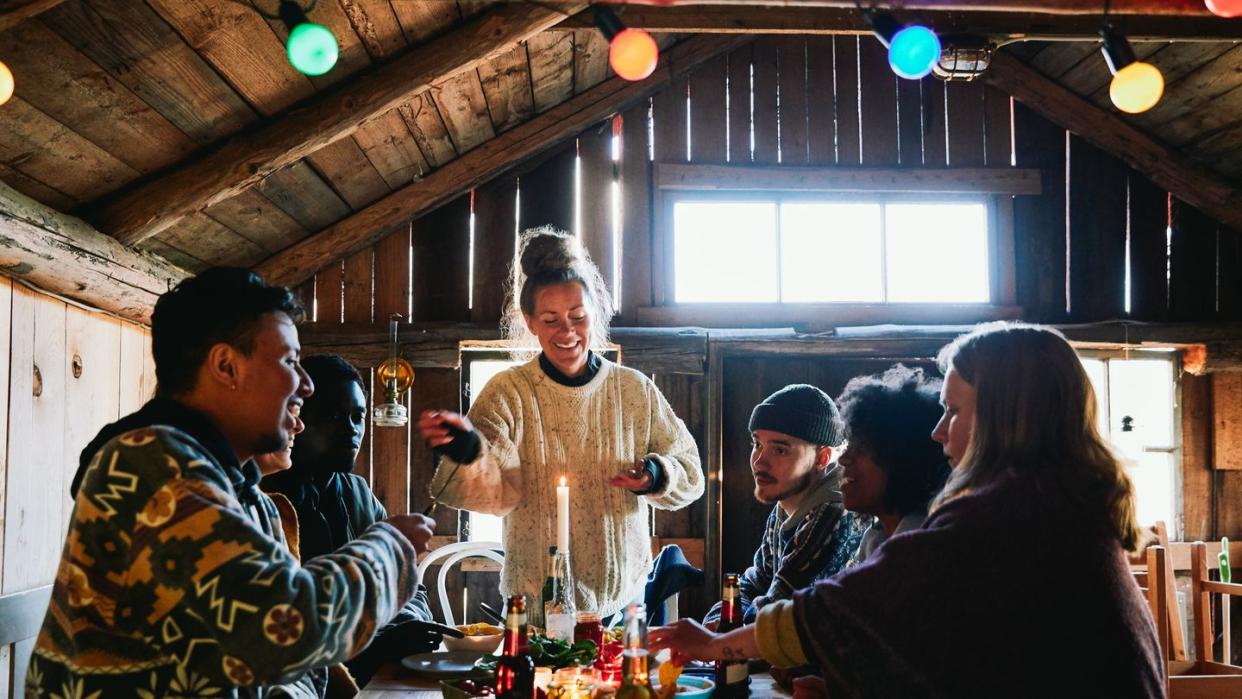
(912, 50)
(6, 83)
(1136, 86)
(312, 48)
(632, 53)
(1225, 8)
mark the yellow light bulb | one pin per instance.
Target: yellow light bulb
(6, 83)
(1136, 87)
(395, 375)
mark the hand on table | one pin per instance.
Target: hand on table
(688, 640)
(635, 479)
(433, 426)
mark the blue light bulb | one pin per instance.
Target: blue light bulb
(913, 51)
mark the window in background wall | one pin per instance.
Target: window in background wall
(477, 369)
(1137, 398)
(878, 249)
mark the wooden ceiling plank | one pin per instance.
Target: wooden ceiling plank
(1059, 57)
(247, 158)
(590, 59)
(506, 86)
(1092, 74)
(66, 256)
(238, 42)
(376, 24)
(174, 255)
(422, 118)
(390, 147)
(300, 192)
(43, 193)
(41, 147)
(551, 68)
(485, 162)
(978, 21)
(1113, 134)
(17, 11)
(1176, 60)
(211, 241)
(66, 85)
(1198, 88)
(346, 168)
(257, 218)
(470, 8)
(138, 48)
(463, 107)
(422, 20)
(1067, 7)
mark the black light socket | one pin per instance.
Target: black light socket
(1116, 48)
(291, 14)
(607, 21)
(883, 24)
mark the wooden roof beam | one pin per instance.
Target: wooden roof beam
(243, 160)
(65, 256)
(491, 158)
(15, 12)
(1000, 26)
(1190, 182)
(1056, 7)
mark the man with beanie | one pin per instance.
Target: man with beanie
(809, 535)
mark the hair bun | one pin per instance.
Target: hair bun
(546, 250)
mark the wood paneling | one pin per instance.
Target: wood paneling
(820, 105)
(495, 245)
(300, 192)
(1039, 222)
(441, 262)
(595, 160)
(1192, 264)
(877, 104)
(765, 74)
(390, 455)
(795, 129)
(506, 85)
(547, 197)
(709, 137)
(1097, 231)
(1227, 421)
(846, 59)
(966, 123)
(739, 104)
(1149, 258)
(551, 56)
(635, 180)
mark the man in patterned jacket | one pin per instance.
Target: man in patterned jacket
(809, 535)
(169, 583)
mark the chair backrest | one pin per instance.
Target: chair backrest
(1202, 587)
(1172, 638)
(451, 555)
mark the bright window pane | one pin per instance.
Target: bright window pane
(485, 527)
(1141, 389)
(1097, 371)
(937, 252)
(831, 252)
(725, 252)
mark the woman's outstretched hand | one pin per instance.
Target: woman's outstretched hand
(636, 478)
(688, 640)
(434, 425)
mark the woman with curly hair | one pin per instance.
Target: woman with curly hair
(1017, 584)
(892, 468)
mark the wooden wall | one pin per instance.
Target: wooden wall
(816, 101)
(68, 372)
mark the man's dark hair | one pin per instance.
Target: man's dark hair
(221, 304)
(892, 415)
(326, 368)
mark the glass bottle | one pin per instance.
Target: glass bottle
(558, 611)
(515, 671)
(635, 679)
(732, 676)
(545, 595)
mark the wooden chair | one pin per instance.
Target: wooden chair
(21, 616)
(1162, 596)
(1204, 677)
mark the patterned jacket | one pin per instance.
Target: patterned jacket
(814, 543)
(170, 586)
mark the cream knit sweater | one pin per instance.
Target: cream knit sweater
(533, 431)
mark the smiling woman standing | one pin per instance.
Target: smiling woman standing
(567, 413)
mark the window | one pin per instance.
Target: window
(1137, 398)
(797, 249)
(477, 369)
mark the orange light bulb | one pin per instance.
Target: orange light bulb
(6, 83)
(1225, 8)
(633, 54)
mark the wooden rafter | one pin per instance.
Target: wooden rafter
(245, 159)
(15, 12)
(299, 262)
(66, 256)
(1058, 7)
(999, 26)
(1164, 166)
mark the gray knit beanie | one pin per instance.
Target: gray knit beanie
(803, 411)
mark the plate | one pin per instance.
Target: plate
(454, 663)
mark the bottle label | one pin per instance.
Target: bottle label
(559, 626)
(736, 672)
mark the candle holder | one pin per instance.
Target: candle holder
(573, 683)
(396, 376)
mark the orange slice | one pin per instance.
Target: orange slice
(669, 672)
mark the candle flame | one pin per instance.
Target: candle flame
(562, 481)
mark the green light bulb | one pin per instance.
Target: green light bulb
(312, 49)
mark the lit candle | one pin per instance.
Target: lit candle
(562, 516)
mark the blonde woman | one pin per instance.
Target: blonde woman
(571, 413)
(1016, 586)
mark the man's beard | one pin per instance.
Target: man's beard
(269, 443)
(801, 485)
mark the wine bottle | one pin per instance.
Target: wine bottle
(515, 671)
(635, 677)
(558, 610)
(732, 676)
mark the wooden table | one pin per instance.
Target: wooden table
(395, 682)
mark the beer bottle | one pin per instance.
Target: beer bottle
(732, 676)
(548, 582)
(558, 609)
(515, 672)
(635, 679)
